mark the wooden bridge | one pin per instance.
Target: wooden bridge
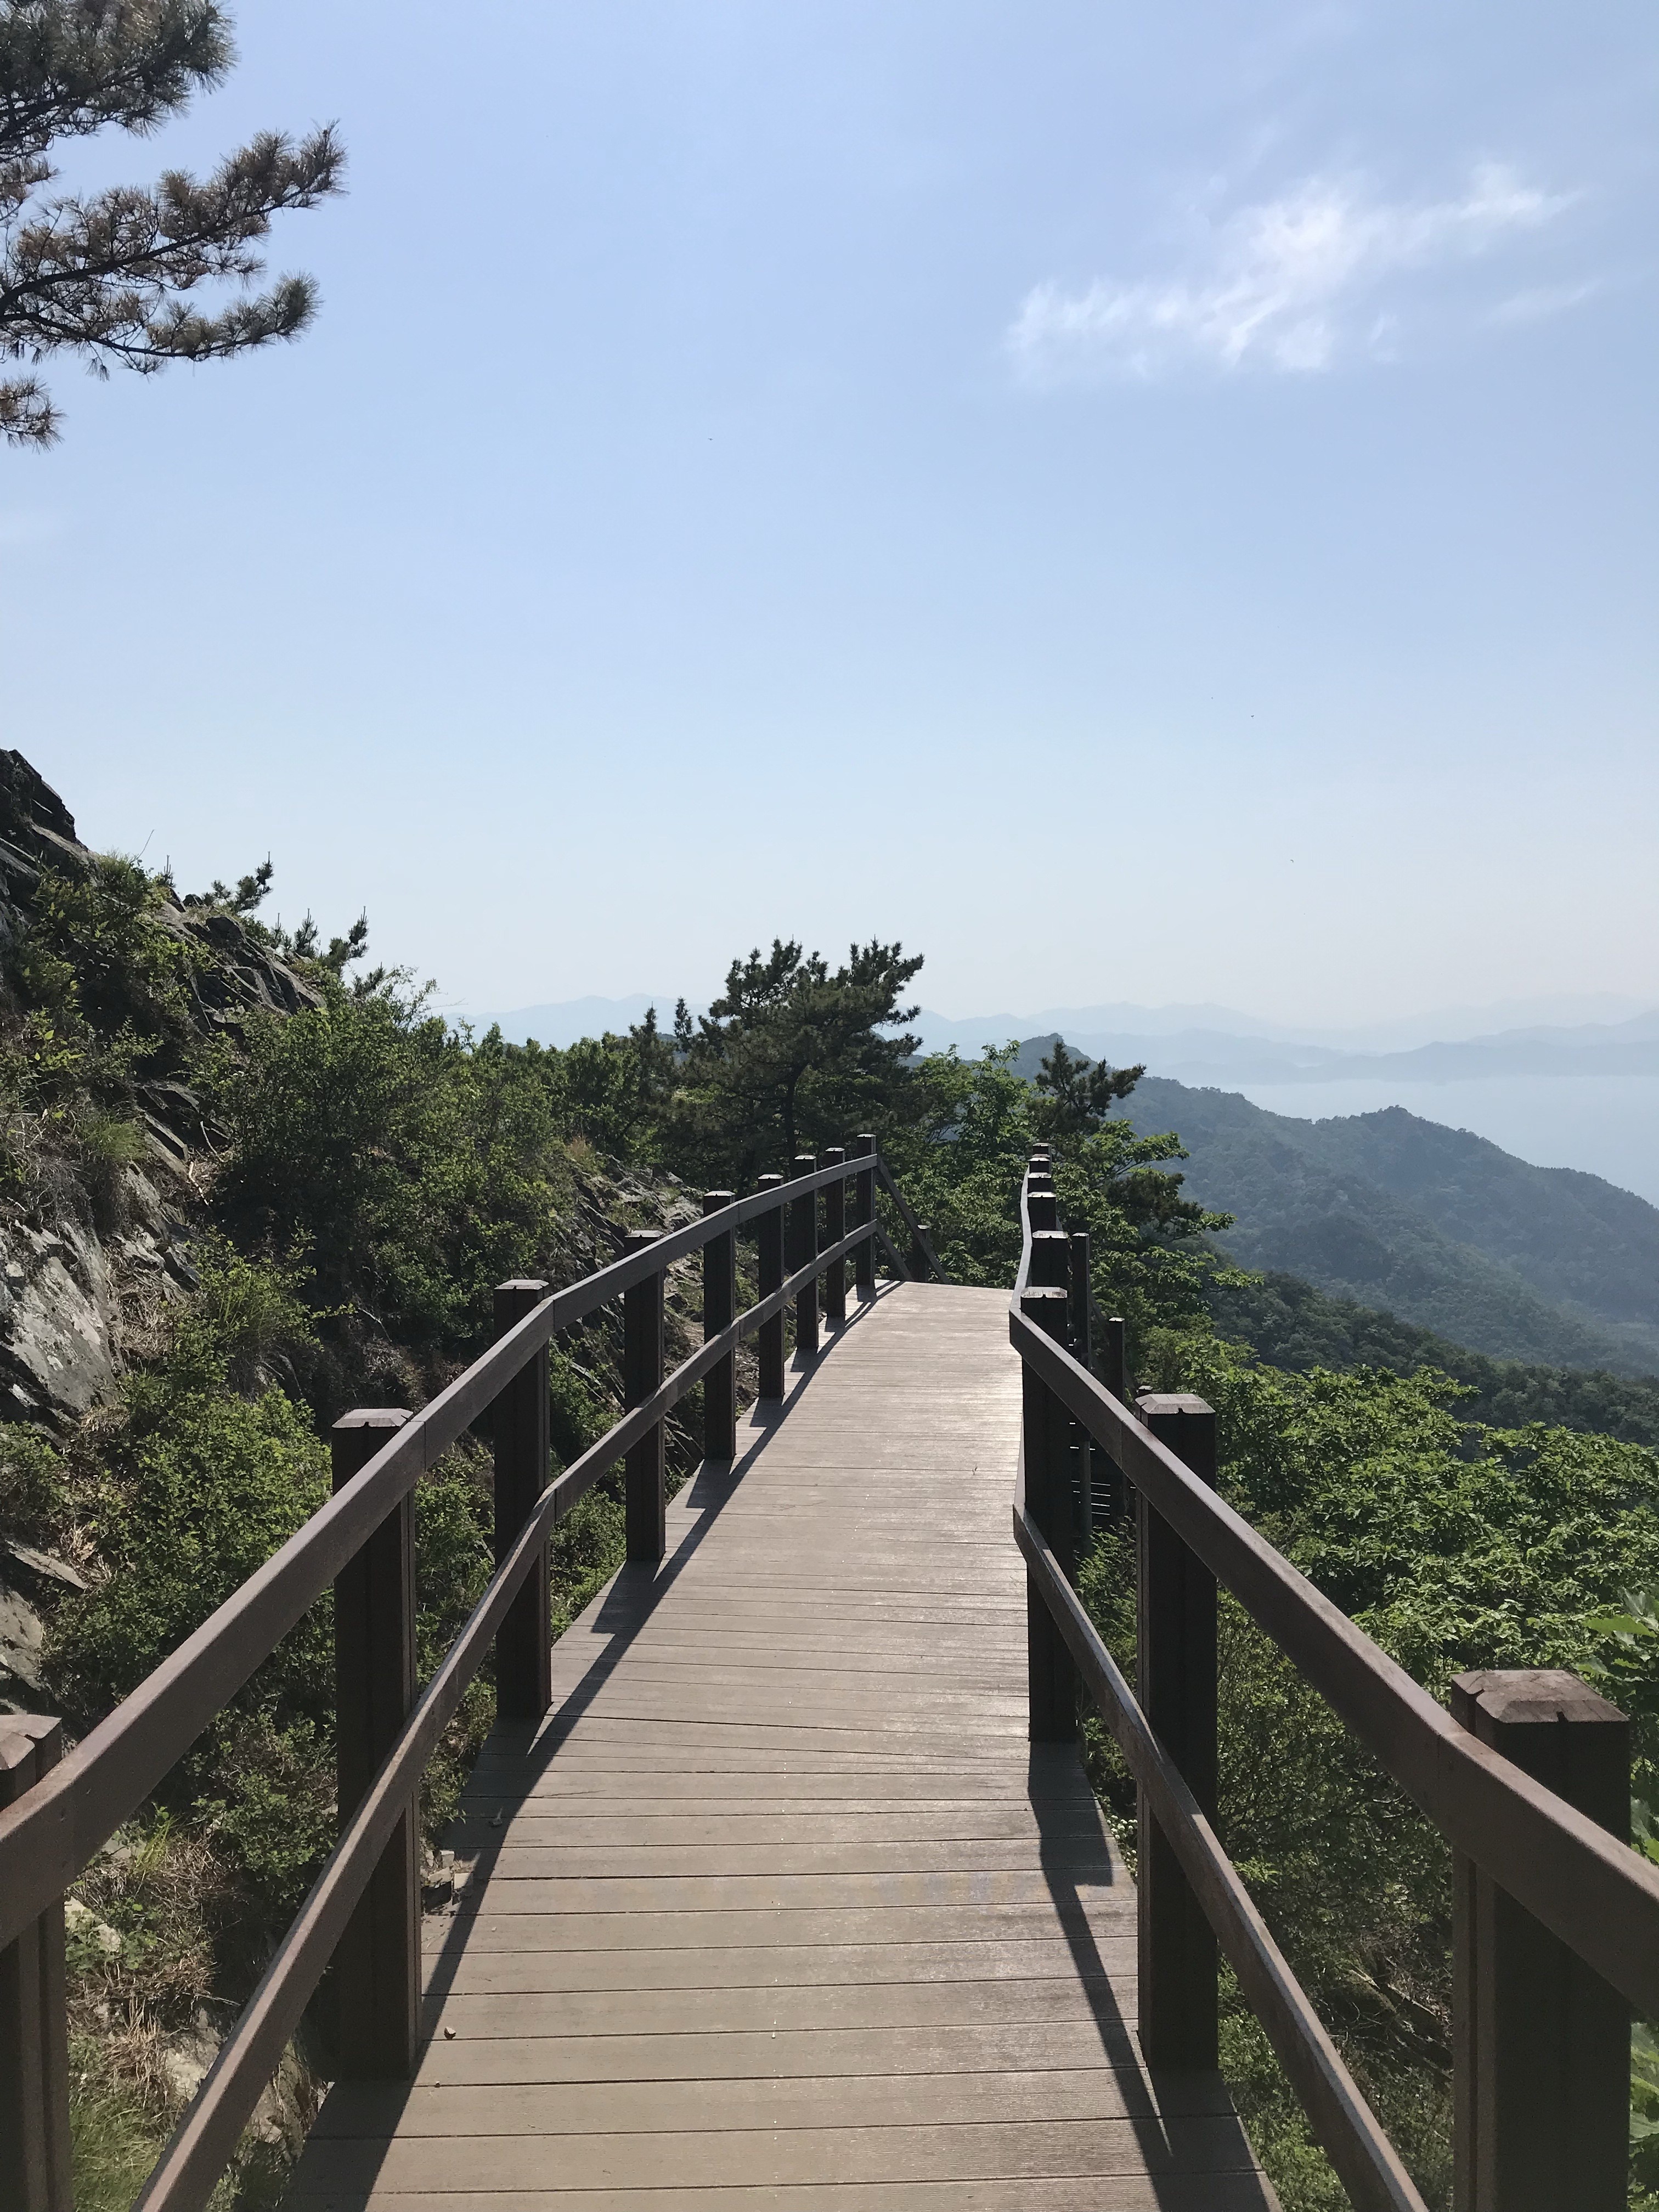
(779, 1906)
(784, 1887)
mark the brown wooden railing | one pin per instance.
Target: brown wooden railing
(57, 1812)
(1556, 1931)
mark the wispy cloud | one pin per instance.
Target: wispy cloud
(1289, 283)
(1538, 305)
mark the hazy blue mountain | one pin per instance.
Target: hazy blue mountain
(1434, 1224)
(1439, 1227)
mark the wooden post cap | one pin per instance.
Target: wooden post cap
(1046, 1305)
(1160, 1405)
(1528, 1696)
(30, 1745)
(1051, 1257)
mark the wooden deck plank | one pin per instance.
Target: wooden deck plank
(780, 1912)
(1226, 2192)
(999, 1995)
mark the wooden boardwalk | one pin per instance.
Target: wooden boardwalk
(779, 1911)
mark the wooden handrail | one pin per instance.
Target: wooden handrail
(1586, 1886)
(917, 1229)
(1365, 2161)
(52, 1832)
(210, 2127)
(1577, 1879)
(47, 1839)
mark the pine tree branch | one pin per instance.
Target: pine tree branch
(27, 416)
(105, 274)
(69, 67)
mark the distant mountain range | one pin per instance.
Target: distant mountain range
(1592, 1035)
(1440, 1227)
(1206, 1052)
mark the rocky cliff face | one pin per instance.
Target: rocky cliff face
(66, 1284)
(76, 1278)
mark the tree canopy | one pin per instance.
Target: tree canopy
(110, 275)
(790, 1056)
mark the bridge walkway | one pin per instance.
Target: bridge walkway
(779, 1911)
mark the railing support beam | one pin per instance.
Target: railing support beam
(719, 1310)
(377, 1962)
(835, 1228)
(803, 1247)
(646, 1496)
(1540, 2043)
(768, 1269)
(1114, 1373)
(1048, 1502)
(864, 1212)
(524, 1642)
(1082, 1351)
(1177, 1991)
(34, 2108)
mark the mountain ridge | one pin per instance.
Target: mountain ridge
(1438, 1226)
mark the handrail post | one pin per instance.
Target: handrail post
(377, 1964)
(1048, 1502)
(1175, 1610)
(864, 1212)
(1540, 2043)
(646, 1499)
(1042, 1207)
(835, 1228)
(921, 1267)
(768, 1269)
(803, 1247)
(34, 2099)
(719, 1310)
(1083, 1352)
(523, 1442)
(1051, 1265)
(1114, 1364)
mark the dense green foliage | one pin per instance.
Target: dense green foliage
(415, 1168)
(97, 997)
(1454, 1546)
(790, 1057)
(1290, 1324)
(960, 1149)
(206, 1469)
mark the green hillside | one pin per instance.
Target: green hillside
(1291, 1325)
(1441, 1229)
(1436, 1225)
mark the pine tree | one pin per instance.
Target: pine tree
(110, 275)
(791, 1053)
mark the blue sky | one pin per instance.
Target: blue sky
(1140, 504)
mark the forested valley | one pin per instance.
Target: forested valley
(251, 1177)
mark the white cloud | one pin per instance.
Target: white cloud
(1547, 299)
(1287, 281)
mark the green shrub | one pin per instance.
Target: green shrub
(33, 1495)
(415, 1169)
(203, 1487)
